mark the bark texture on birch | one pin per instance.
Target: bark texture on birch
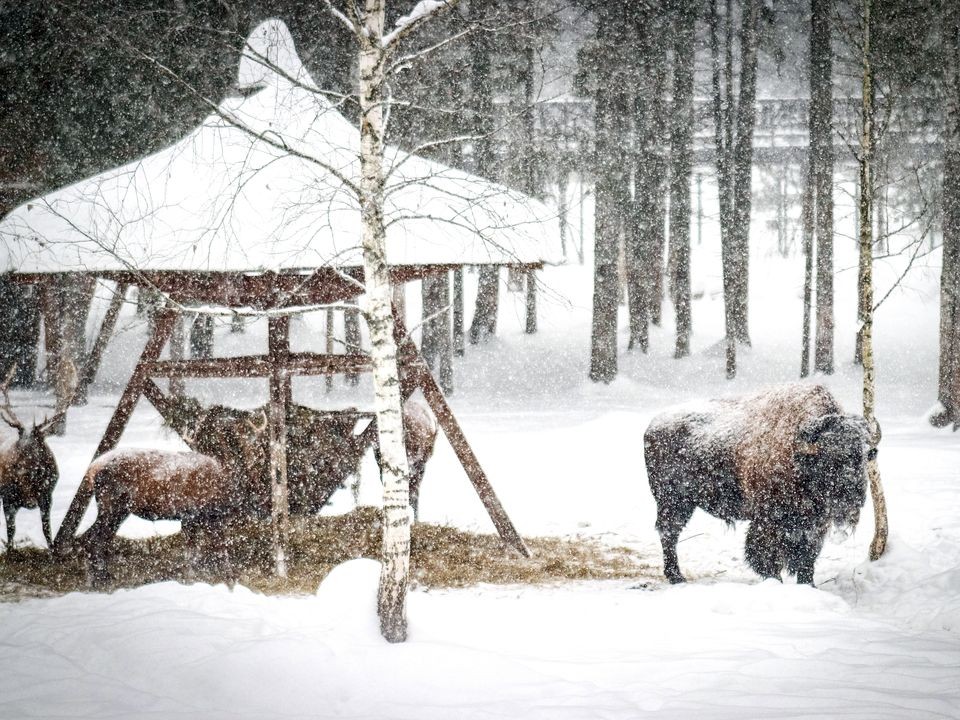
(391, 601)
(879, 542)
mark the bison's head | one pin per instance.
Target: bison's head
(832, 455)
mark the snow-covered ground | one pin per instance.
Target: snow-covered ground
(873, 640)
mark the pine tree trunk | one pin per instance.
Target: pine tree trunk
(808, 231)
(879, 541)
(484, 321)
(19, 330)
(379, 316)
(722, 115)
(644, 225)
(821, 170)
(949, 372)
(352, 339)
(742, 171)
(611, 113)
(681, 154)
(436, 345)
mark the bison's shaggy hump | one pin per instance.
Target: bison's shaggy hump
(766, 442)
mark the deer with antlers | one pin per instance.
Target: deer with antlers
(28, 469)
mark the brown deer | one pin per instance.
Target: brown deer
(158, 485)
(28, 469)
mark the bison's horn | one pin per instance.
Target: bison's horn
(257, 429)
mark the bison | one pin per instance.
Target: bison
(323, 451)
(157, 485)
(789, 461)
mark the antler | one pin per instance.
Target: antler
(6, 411)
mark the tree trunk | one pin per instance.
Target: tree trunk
(176, 343)
(19, 330)
(681, 153)
(742, 170)
(949, 374)
(351, 332)
(378, 312)
(644, 224)
(722, 115)
(808, 231)
(821, 172)
(611, 113)
(484, 321)
(865, 159)
(201, 336)
(436, 345)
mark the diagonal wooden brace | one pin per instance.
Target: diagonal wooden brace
(163, 326)
(414, 373)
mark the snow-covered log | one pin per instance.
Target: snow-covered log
(787, 460)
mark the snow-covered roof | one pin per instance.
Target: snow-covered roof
(264, 184)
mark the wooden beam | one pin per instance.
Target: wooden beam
(162, 327)
(415, 373)
(260, 365)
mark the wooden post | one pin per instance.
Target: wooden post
(162, 327)
(278, 348)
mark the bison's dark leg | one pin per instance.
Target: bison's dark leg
(10, 514)
(803, 547)
(671, 519)
(416, 477)
(765, 548)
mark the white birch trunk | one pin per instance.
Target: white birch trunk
(879, 543)
(396, 493)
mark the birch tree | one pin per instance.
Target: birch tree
(865, 201)
(375, 48)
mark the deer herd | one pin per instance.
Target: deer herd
(205, 493)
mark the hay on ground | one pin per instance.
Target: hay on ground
(441, 557)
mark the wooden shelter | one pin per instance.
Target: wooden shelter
(253, 211)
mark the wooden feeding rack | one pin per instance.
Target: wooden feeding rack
(277, 294)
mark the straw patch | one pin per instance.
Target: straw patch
(441, 557)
